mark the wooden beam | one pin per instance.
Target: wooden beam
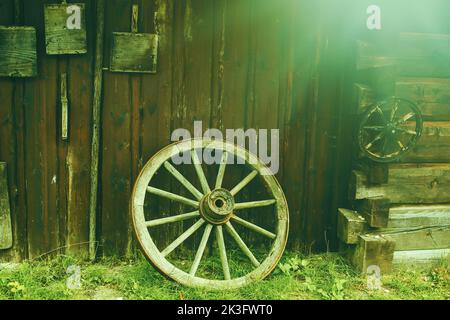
(373, 250)
(432, 95)
(375, 211)
(408, 183)
(419, 238)
(433, 146)
(420, 257)
(413, 55)
(350, 225)
(6, 239)
(372, 56)
(424, 54)
(409, 216)
(377, 173)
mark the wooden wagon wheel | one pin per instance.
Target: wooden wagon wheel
(389, 129)
(213, 210)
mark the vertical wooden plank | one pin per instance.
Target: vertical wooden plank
(264, 83)
(40, 144)
(193, 54)
(8, 153)
(230, 73)
(339, 66)
(63, 176)
(11, 144)
(264, 112)
(302, 41)
(232, 63)
(116, 147)
(6, 237)
(156, 105)
(77, 161)
(192, 65)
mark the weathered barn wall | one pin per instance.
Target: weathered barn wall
(48, 178)
(230, 63)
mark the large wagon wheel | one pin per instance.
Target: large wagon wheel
(389, 129)
(215, 210)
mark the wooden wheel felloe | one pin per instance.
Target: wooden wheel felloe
(389, 129)
(211, 211)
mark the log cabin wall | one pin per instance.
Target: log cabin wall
(283, 64)
(401, 209)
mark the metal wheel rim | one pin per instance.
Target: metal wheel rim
(394, 156)
(153, 254)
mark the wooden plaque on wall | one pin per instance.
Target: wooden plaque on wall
(65, 28)
(134, 52)
(18, 56)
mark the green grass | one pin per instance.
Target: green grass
(325, 276)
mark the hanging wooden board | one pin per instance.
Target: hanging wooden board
(134, 52)
(65, 28)
(6, 240)
(18, 56)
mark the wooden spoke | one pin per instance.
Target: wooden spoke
(400, 144)
(172, 196)
(405, 118)
(383, 117)
(253, 204)
(189, 232)
(411, 132)
(378, 137)
(254, 227)
(394, 111)
(201, 250)
(197, 194)
(244, 182)
(200, 173)
(221, 173)
(376, 128)
(223, 253)
(178, 218)
(241, 244)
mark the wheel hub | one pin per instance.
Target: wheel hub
(217, 206)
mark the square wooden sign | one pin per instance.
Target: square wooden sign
(134, 52)
(18, 56)
(65, 28)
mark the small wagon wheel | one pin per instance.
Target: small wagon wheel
(213, 210)
(389, 129)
